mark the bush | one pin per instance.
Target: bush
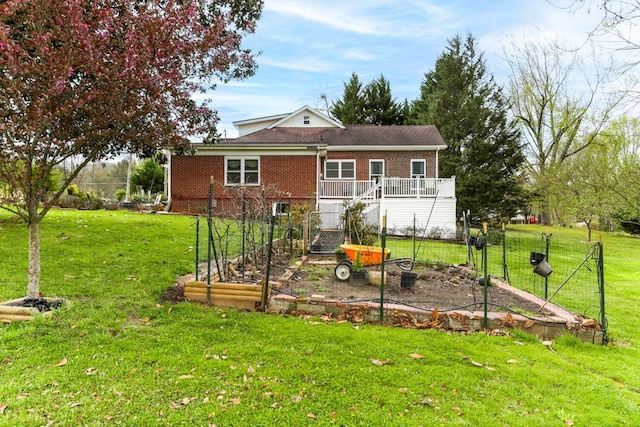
(120, 194)
(356, 227)
(80, 201)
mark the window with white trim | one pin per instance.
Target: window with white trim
(242, 171)
(376, 170)
(418, 168)
(340, 169)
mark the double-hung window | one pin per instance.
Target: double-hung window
(418, 173)
(242, 171)
(376, 170)
(418, 168)
(340, 169)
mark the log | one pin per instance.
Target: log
(16, 317)
(222, 292)
(16, 310)
(203, 295)
(218, 285)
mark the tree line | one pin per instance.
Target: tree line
(539, 146)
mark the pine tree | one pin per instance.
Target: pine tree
(379, 107)
(470, 111)
(372, 104)
(350, 109)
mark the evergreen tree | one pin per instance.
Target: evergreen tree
(150, 176)
(350, 109)
(372, 104)
(470, 111)
(379, 107)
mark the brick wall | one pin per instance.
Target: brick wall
(190, 178)
(397, 164)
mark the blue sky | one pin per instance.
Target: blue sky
(309, 48)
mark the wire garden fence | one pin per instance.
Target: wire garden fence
(567, 272)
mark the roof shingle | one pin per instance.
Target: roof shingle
(353, 135)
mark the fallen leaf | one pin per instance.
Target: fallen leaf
(3, 407)
(529, 323)
(6, 360)
(185, 401)
(416, 356)
(474, 363)
(569, 422)
(235, 400)
(62, 362)
(310, 415)
(185, 377)
(547, 343)
(251, 370)
(380, 362)
(491, 368)
(511, 361)
(91, 371)
(518, 343)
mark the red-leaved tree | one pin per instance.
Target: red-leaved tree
(89, 79)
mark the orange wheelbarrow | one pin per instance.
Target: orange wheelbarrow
(367, 256)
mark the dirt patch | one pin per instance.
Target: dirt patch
(442, 287)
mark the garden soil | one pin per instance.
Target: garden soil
(436, 287)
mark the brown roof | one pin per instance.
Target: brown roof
(353, 135)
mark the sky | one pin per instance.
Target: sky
(310, 48)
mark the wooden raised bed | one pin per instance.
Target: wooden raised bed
(239, 295)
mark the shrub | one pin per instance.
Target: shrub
(120, 194)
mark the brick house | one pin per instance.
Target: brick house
(307, 157)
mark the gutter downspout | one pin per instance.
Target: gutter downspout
(317, 177)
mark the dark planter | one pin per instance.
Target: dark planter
(359, 276)
(536, 258)
(341, 256)
(408, 280)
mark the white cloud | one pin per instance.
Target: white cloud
(373, 18)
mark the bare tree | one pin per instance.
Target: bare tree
(561, 105)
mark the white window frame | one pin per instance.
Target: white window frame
(340, 168)
(418, 182)
(243, 172)
(424, 162)
(375, 177)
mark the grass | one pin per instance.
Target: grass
(116, 355)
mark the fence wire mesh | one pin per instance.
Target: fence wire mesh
(573, 282)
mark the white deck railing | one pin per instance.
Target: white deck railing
(390, 188)
(343, 188)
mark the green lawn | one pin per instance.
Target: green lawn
(116, 355)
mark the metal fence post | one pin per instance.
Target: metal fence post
(603, 317)
(197, 247)
(485, 278)
(383, 240)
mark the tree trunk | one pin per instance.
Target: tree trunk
(33, 285)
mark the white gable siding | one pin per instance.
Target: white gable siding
(245, 129)
(297, 121)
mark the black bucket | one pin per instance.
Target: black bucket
(543, 269)
(408, 279)
(536, 258)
